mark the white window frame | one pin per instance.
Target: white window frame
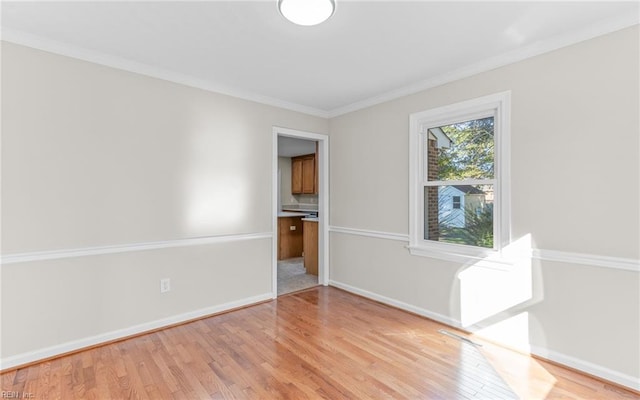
(497, 105)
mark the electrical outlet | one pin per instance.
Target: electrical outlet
(165, 285)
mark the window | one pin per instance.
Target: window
(459, 203)
(456, 202)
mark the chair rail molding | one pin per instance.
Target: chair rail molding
(123, 248)
(619, 263)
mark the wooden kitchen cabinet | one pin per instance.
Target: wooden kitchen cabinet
(290, 243)
(296, 175)
(304, 174)
(310, 246)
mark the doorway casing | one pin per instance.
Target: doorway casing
(323, 202)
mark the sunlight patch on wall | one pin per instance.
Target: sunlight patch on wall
(493, 297)
(488, 287)
(218, 185)
(217, 202)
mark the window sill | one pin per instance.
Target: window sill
(464, 255)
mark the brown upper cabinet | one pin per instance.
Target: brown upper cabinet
(304, 174)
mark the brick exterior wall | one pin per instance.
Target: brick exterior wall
(431, 196)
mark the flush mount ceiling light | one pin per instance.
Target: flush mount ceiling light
(307, 12)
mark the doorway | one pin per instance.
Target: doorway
(300, 210)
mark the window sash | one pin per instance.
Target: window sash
(464, 182)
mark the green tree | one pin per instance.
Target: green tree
(471, 154)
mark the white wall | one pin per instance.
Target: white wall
(284, 165)
(575, 151)
(92, 157)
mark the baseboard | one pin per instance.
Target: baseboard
(587, 367)
(398, 304)
(69, 347)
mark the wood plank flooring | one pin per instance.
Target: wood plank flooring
(319, 343)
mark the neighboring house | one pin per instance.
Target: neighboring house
(441, 138)
(453, 200)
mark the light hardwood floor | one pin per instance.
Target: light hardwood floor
(319, 343)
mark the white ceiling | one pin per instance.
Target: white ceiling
(369, 51)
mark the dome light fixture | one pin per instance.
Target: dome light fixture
(307, 12)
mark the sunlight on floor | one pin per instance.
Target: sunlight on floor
(478, 378)
(493, 294)
(527, 377)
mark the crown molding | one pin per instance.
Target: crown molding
(60, 48)
(535, 49)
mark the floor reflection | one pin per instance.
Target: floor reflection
(477, 378)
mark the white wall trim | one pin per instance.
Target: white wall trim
(627, 264)
(52, 351)
(551, 355)
(588, 367)
(619, 263)
(397, 303)
(53, 46)
(369, 233)
(38, 42)
(123, 248)
(512, 57)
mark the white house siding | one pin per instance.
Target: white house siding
(449, 216)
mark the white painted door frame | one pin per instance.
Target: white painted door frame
(323, 202)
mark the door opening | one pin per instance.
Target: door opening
(299, 212)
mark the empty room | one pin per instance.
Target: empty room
(307, 199)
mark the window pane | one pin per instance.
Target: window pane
(456, 202)
(467, 220)
(461, 151)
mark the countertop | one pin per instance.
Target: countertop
(300, 207)
(314, 219)
(292, 214)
